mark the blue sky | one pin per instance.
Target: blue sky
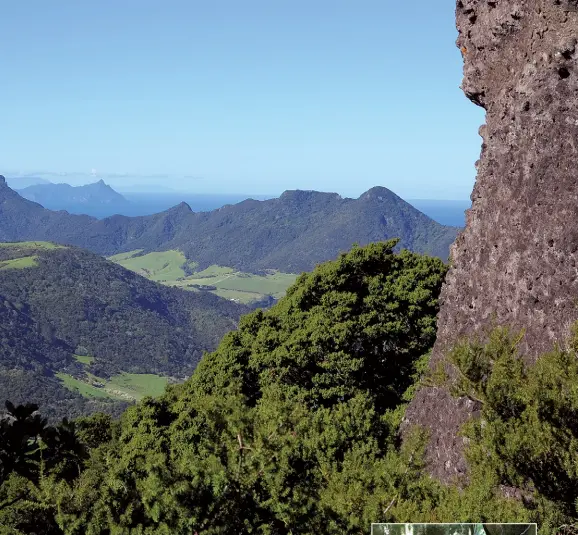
(257, 96)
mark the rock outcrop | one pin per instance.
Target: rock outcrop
(516, 262)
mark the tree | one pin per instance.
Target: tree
(34, 458)
(526, 438)
(291, 424)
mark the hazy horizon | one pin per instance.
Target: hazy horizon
(146, 184)
(147, 202)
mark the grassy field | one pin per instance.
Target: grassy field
(235, 295)
(274, 284)
(163, 266)
(125, 386)
(84, 359)
(19, 263)
(139, 384)
(167, 267)
(213, 272)
(243, 286)
(83, 388)
(22, 253)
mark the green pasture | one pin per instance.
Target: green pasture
(161, 266)
(167, 267)
(84, 359)
(125, 386)
(19, 263)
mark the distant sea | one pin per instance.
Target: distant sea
(450, 213)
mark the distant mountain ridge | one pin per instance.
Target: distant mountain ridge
(97, 198)
(20, 182)
(291, 233)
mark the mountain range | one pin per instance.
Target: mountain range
(291, 233)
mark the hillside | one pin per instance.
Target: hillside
(97, 199)
(291, 234)
(70, 312)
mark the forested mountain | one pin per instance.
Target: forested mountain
(58, 302)
(97, 199)
(291, 233)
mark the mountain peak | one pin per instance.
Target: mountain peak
(295, 194)
(182, 207)
(101, 184)
(298, 195)
(2, 180)
(379, 193)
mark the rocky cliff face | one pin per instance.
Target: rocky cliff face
(516, 262)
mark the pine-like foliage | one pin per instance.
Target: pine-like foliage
(290, 426)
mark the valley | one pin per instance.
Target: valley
(147, 296)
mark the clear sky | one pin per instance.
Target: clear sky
(252, 96)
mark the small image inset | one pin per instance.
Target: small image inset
(454, 529)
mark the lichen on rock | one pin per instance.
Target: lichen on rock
(515, 263)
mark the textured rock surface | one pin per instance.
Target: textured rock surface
(516, 261)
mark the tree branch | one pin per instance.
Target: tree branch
(5, 505)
